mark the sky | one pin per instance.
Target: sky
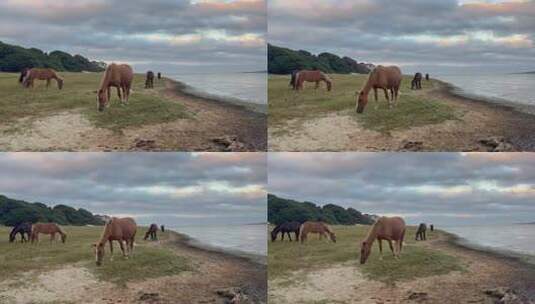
(440, 188)
(168, 34)
(438, 36)
(170, 188)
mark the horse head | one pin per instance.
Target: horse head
(12, 237)
(273, 235)
(63, 238)
(99, 253)
(329, 85)
(333, 236)
(102, 99)
(362, 101)
(60, 83)
(365, 251)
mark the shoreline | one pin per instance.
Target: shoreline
(188, 90)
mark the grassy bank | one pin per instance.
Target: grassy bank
(413, 109)
(145, 106)
(416, 261)
(17, 259)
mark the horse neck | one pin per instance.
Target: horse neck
(372, 234)
(368, 87)
(105, 234)
(105, 80)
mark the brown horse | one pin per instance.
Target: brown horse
(41, 74)
(427, 77)
(152, 233)
(420, 233)
(149, 80)
(119, 76)
(159, 75)
(120, 230)
(316, 227)
(391, 229)
(47, 228)
(416, 83)
(312, 76)
(23, 74)
(386, 78)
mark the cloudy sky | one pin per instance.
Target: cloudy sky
(446, 36)
(442, 188)
(173, 188)
(163, 33)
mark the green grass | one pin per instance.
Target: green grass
(148, 261)
(145, 106)
(412, 109)
(416, 261)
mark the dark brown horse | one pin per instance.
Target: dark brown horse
(23, 74)
(120, 230)
(316, 227)
(41, 74)
(47, 228)
(159, 75)
(432, 227)
(420, 233)
(427, 77)
(119, 76)
(416, 83)
(390, 229)
(385, 78)
(22, 229)
(312, 76)
(293, 77)
(149, 80)
(152, 233)
(288, 227)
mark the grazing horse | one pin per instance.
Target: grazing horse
(286, 228)
(293, 82)
(116, 229)
(23, 74)
(385, 78)
(41, 74)
(316, 227)
(119, 76)
(420, 233)
(149, 80)
(162, 227)
(432, 227)
(21, 228)
(47, 228)
(416, 83)
(391, 229)
(159, 75)
(312, 76)
(153, 230)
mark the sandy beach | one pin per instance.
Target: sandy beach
(479, 277)
(320, 121)
(206, 276)
(166, 118)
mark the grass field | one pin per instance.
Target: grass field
(416, 261)
(145, 106)
(149, 261)
(412, 110)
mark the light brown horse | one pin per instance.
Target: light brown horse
(119, 76)
(41, 74)
(120, 230)
(390, 229)
(316, 227)
(386, 78)
(47, 228)
(312, 76)
(152, 233)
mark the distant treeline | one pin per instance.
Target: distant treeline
(15, 58)
(282, 210)
(14, 211)
(284, 61)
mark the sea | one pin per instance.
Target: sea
(508, 89)
(512, 239)
(248, 87)
(243, 239)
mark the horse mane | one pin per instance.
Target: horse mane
(106, 232)
(277, 228)
(106, 78)
(372, 233)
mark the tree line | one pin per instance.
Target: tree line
(284, 61)
(281, 210)
(16, 58)
(14, 211)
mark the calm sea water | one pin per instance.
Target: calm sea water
(516, 88)
(503, 238)
(250, 239)
(246, 87)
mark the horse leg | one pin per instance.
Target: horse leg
(282, 237)
(376, 98)
(52, 237)
(132, 247)
(47, 83)
(392, 248)
(122, 248)
(380, 243)
(119, 94)
(127, 93)
(111, 250)
(289, 236)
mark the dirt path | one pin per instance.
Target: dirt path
(344, 283)
(477, 121)
(212, 272)
(213, 126)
